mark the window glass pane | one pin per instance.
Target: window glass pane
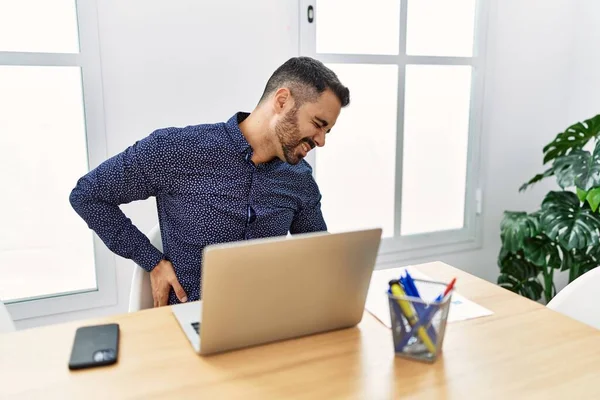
(358, 27)
(356, 168)
(45, 26)
(440, 27)
(436, 124)
(45, 248)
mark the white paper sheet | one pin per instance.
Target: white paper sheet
(461, 308)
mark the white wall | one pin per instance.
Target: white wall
(584, 99)
(187, 62)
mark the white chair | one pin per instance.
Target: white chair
(140, 295)
(6, 322)
(579, 299)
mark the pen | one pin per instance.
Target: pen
(448, 289)
(412, 318)
(397, 310)
(411, 283)
(410, 288)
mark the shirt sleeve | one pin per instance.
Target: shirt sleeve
(137, 173)
(309, 218)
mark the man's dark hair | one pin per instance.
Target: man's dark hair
(306, 78)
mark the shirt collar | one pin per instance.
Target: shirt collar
(235, 134)
(239, 141)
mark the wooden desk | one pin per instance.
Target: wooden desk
(524, 350)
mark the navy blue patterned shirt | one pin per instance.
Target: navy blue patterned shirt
(207, 191)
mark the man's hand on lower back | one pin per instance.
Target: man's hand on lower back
(163, 278)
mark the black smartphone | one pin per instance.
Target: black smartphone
(95, 346)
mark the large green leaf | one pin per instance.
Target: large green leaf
(519, 276)
(578, 262)
(579, 168)
(515, 228)
(594, 252)
(575, 137)
(542, 252)
(563, 219)
(546, 174)
(582, 263)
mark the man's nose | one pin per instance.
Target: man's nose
(319, 139)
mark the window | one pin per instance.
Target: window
(403, 155)
(50, 115)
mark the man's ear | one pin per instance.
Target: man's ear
(282, 100)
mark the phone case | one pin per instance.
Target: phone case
(95, 346)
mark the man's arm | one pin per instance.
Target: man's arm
(309, 219)
(135, 174)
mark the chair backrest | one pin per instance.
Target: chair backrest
(579, 299)
(6, 322)
(140, 296)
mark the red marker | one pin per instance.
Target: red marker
(449, 287)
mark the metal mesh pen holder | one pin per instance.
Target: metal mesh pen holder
(418, 326)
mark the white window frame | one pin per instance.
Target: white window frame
(402, 248)
(88, 59)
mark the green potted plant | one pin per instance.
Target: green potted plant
(563, 235)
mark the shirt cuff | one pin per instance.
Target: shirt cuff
(148, 257)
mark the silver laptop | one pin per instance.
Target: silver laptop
(265, 290)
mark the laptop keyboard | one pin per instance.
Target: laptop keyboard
(196, 326)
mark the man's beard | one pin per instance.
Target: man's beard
(288, 132)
